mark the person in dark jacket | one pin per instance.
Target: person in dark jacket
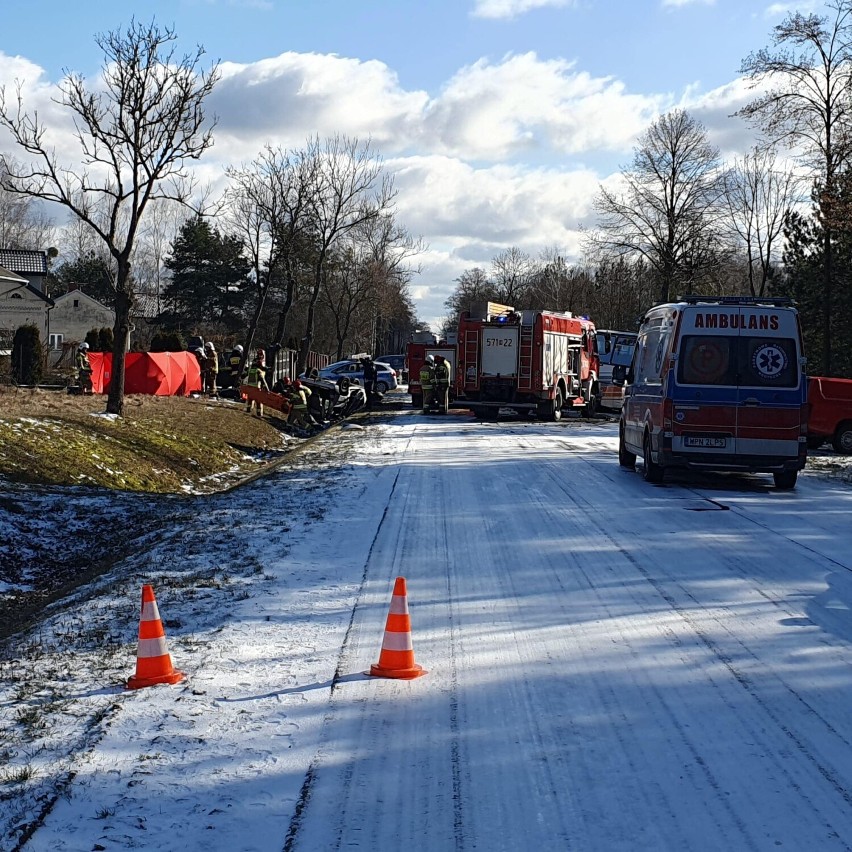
(211, 368)
(427, 383)
(441, 391)
(84, 368)
(234, 360)
(370, 376)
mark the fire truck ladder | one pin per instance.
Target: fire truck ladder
(525, 356)
(471, 352)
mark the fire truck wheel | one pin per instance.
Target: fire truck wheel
(842, 441)
(651, 472)
(590, 409)
(551, 409)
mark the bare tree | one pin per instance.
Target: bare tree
(351, 189)
(135, 135)
(272, 204)
(163, 220)
(367, 281)
(668, 209)
(472, 286)
(558, 286)
(808, 72)
(512, 272)
(758, 194)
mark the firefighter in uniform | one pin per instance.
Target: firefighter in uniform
(441, 392)
(84, 368)
(427, 381)
(256, 378)
(211, 368)
(299, 416)
(234, 365)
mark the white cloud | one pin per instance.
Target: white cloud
(468, 215)
(778, 10)
(715, 110)
(679, 3)
(519, 106)
(524, 105)
(38, 95)
(512, 8)
(287, 98)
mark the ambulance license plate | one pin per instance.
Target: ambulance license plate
(706, 443)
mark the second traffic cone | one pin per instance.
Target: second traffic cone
(397, 656)
(153, 662)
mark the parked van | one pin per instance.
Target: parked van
(717, 384)
(616, 356)
(830, 413)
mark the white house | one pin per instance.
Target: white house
(75, 314)
(21, 303)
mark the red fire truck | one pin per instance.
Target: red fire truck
(530, 361)
(423, 344)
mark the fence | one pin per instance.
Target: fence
(285, 362)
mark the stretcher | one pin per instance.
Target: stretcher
(265, 397)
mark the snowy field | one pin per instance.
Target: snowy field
(611, 665)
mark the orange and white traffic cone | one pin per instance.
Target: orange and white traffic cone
(397, 656)
(153, 663)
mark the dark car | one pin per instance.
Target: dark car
(398, 364)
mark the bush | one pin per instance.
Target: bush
(106, 341)
(167, 341)
(27, 356)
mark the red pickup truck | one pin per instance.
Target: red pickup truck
(830, 415)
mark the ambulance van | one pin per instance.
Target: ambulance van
(717, 384)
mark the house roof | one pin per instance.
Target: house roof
(73, 294)
(8, 277)
(24, 260)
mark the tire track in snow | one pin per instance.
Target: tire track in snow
(292, 837)
(703, 635)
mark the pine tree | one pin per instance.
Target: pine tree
(209, 277)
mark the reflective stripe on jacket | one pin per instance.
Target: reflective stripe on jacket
(256, 376)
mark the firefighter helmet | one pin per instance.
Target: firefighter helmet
(297, 384)
(238, 348)
(83, 346)
(430, 359)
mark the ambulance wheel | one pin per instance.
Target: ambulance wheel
(651, 471)
(785, 480)
(625, 457)
(842, 440)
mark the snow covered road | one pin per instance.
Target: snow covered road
(612, 665)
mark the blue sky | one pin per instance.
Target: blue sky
(509, 112)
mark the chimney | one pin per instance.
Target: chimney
(73, 286)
